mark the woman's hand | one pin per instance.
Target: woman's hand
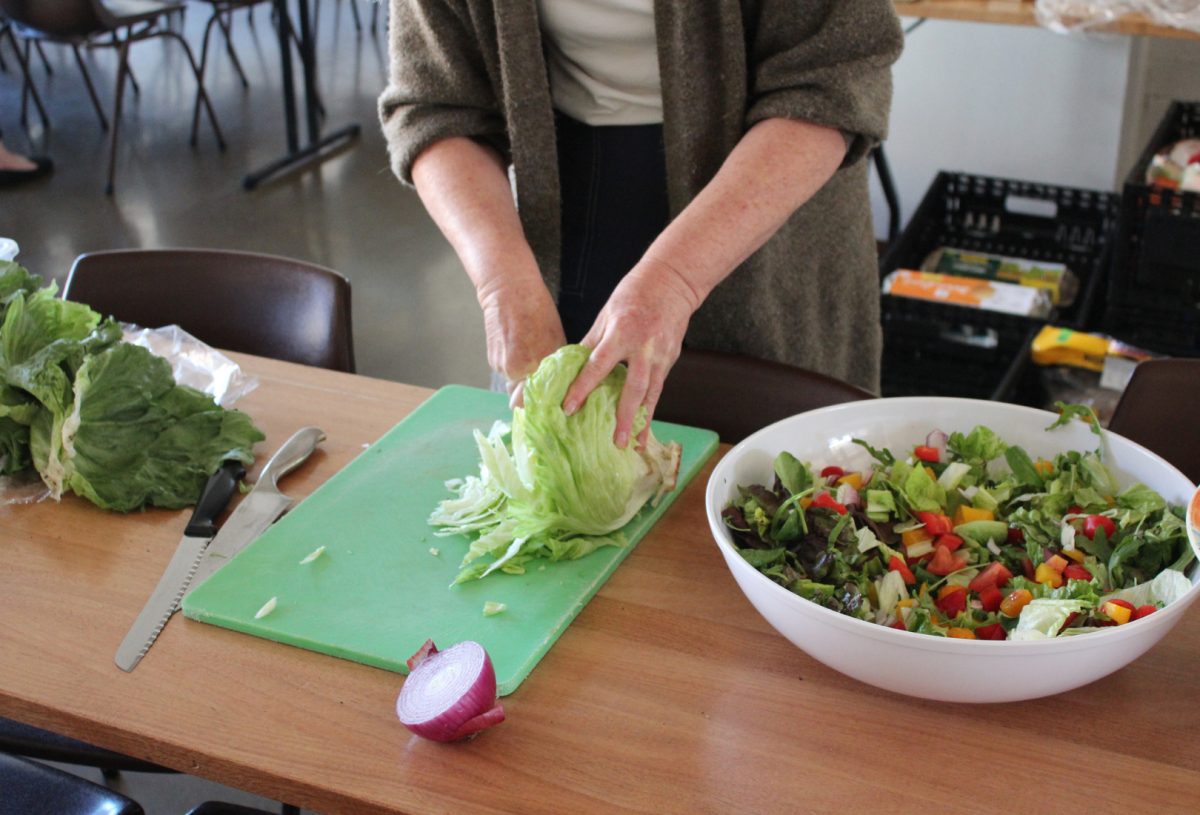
(522, 326)
(642, 324)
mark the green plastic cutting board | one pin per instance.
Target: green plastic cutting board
(378, 591)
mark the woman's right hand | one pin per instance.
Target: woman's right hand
(522, 326)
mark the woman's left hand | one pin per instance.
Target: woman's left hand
(642, 324)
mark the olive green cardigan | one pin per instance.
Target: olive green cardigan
(810, 295)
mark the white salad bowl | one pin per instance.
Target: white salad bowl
(954, 670)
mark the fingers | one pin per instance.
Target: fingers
(516, 394)
(600, 363)
(653, 392)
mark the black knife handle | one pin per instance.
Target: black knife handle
(216, 495)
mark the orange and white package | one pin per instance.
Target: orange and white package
(992, 295)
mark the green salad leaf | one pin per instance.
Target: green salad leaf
(559, 487)
(97, 416)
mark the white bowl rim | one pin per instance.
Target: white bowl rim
(1093, 639)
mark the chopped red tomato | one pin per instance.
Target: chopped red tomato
(895, 564)
(944, 562)
(1093, 522)
(953, 602)
(926, 453)
(899, 624)
(1144, 611)
(990, 598)
(995, 631)
(1076, 572)
(826, 500)
(949, 540)
(1122, 604)
(832, 472)
(994, 576)
(935, 523)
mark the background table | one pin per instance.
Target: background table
(667, 694)
(1021, 12)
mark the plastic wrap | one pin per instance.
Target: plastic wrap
(1066, 16)
(193, 363)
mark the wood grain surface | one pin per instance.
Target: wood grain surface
(1021, 12)
(667, 694)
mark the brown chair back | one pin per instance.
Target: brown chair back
(736, 395)
(238, 301)
(56, 19)
(1158, 409)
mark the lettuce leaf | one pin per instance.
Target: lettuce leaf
(99, 417)
(559, 488)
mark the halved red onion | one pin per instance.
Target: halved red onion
(848, 496)
(449, 695)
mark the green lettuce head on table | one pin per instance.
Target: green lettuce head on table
(97, 416)
(555, 486)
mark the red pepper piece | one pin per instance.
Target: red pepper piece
(994, 576)
(953, 603)
(832, 471)
(1093, 522)
(990, 598)
(926, 453)
(1076, 572)
(826, 500)
(949, 540)
(895, 564)
(995, 631)
(1144, 611)
(935, 523)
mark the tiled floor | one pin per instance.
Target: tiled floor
(415, 315)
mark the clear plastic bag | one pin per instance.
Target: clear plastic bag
(1066, 16)
(194, 363)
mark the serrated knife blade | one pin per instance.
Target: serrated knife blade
(261, 507)
(173, 584)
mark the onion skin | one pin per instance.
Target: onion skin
(439, 715)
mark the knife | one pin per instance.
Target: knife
(261, 507)
(178, 576)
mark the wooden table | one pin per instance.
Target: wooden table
(667, 694)
(1021, 12)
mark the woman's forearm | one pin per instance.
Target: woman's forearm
(465, 188)
(778, 165)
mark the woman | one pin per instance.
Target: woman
(764, 244)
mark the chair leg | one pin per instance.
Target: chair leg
(122, 72)
(203, 66)
(45, 62)
(203, 94)
(354, 11)
(375, 16)
(91, 89)
(28, 88)
(228, 32)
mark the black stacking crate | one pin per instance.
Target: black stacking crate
(949, 350)
(1154, 287)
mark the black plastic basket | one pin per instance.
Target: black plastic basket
(945, 349)
(1154, 287)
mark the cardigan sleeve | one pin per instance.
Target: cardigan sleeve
(438, 85)
(827, 62)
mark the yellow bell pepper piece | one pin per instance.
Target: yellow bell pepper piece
(1048, 575)
(1044, 467)
(914, 536)
(961, 633)
(805, 502)
(1118, 614)
(965, 514)
(853, 479)
(1076, 555)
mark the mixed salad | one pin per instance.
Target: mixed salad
(967, 536)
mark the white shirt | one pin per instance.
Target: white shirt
(603, 60)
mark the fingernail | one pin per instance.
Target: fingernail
(622, 439)
(570, 407)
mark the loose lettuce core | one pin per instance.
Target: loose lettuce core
(99, 417)
(563, 487)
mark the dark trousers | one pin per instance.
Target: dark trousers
(614, 204)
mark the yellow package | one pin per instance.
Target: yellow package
(1064, 346)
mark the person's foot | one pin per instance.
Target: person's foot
(17, 169)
